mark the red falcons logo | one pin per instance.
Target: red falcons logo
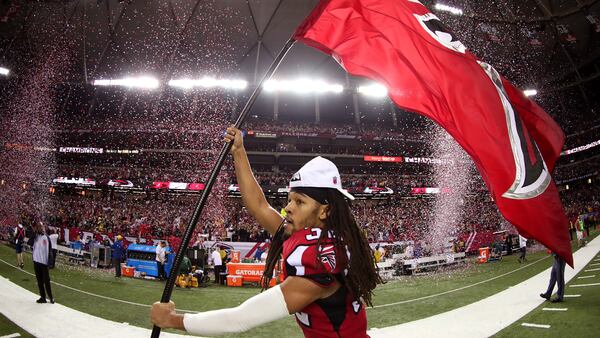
(334, 179)
(328, 257)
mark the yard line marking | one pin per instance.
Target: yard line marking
(590, 270)
(12, 335)
(555, 309)
(571, 296)
(578, 285)
(541, 326)
(594, 264)
(582, 277)
(458, 289)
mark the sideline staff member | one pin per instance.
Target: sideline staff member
(42, 257)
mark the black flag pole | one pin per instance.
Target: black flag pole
(166, 296)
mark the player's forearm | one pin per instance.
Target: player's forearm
(252, 194)
(263, 308)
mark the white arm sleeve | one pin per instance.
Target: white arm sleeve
(263, 308)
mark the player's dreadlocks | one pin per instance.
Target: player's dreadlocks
(362, 275)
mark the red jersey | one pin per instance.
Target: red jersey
(338, 315)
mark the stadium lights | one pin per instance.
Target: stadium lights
(375, 90)
(302, 86)
(450, 9)
(132, 82)
(530, 92)
(208, 82)
(4, 71)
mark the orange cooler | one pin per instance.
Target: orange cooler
(484, 255)
(234, 280)
(127, 271)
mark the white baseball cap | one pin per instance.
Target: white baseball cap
(319, 173)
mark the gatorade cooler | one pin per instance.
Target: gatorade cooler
(234, 280)
(235, 256)
(127, 271)
(484, 255)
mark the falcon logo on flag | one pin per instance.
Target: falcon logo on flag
(531, 176)
(327, 255)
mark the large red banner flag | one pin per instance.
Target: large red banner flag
(513, 142)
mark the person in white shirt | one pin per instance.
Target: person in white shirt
(263, 256)
(41, 252)
(199, 243)
(523, 248)
(160, 260)
(217, 263)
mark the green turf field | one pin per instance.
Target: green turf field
(98, 293)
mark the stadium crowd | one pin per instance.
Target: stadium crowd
(163, 216)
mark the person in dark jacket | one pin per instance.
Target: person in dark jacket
(19, 236)
(42, 257)
(557, 277)
(117, 254)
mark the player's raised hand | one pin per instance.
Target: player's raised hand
(234, 135)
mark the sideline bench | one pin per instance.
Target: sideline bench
(423, 264)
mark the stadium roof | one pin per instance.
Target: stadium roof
(548, 45)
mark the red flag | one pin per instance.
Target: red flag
(513, 142)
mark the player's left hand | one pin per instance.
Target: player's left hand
(161, 314)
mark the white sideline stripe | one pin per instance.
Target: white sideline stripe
(571, 296)
(488, 316)
(12, 335)
(579, 285)
(590, 270)
(19, 306)
(541, 326)
(555, 309)
(458, 289)
(582, 277)
(90, 293)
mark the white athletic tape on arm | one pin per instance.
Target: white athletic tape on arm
(263, 308)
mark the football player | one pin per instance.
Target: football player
(329, 267)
